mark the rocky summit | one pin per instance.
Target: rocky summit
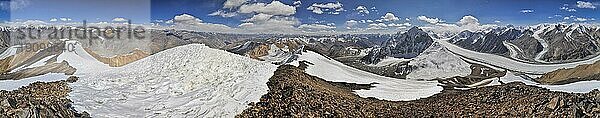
(38, 100)
(403, 45)
(293, 93)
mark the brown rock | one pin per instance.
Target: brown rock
(579, 73)
(4, 103)
(596, 110)
(554, 102)
(293, 92)
(72, 79)
(119, 60)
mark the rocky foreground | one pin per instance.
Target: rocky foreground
(38, 100)
(293, 93)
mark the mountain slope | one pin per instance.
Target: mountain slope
(568, 42)
(405, 45)
(190, 80)
(437, 62)
(385, 87)
(486, 42)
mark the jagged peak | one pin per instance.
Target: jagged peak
(414, 29)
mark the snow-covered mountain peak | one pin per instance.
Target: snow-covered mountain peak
(189, 80)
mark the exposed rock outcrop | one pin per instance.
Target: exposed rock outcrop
(293, 93)
(487, 42)
(579, 73)
(62, 67)
(119, 60)
(406, 45)
(38, 100)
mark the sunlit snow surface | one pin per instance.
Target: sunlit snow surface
(191, 80)
(490, 59)
(437, 62)
(387, 89)
(510, 64)
(10, 51)
(75, 55)
(576, 87)
(10, 85)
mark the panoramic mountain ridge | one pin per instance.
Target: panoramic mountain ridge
(543, 43)
(487, 42)
(403, 45)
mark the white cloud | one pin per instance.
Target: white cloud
(468, 20)
(466, 23)
(527, 11)
(377, 26)
(362, 21)
(351, 23)
(259, 18)
(53, 20)
(14, 4)
(34, 22)
(273, 17)
(233, 3)
(276, 24)
(497, 21)
(431, 20)
(297, 3)
(362, 9)
(369, 21)
(383, 26)
(315, 27)
(389, 17)
(223, 14)
(399, 25)
(317, 10)
(273, 8)
(331, 8)
(246, 25)
(187, 19)
(65, 19)
(568, 9)
(583, 19)
(568, 17)
(583, 4)
(118, 19)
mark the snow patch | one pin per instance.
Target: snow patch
(10, 51)
(10, 85)
(437, 62)
(191, 80)
(511, 64)
(387, 89)
(389, 61)
(576, 87)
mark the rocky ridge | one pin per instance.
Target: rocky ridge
(293, 93)
(39, 100)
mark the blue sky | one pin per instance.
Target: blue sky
(487, 11)
(495, 12)
(79, 10)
